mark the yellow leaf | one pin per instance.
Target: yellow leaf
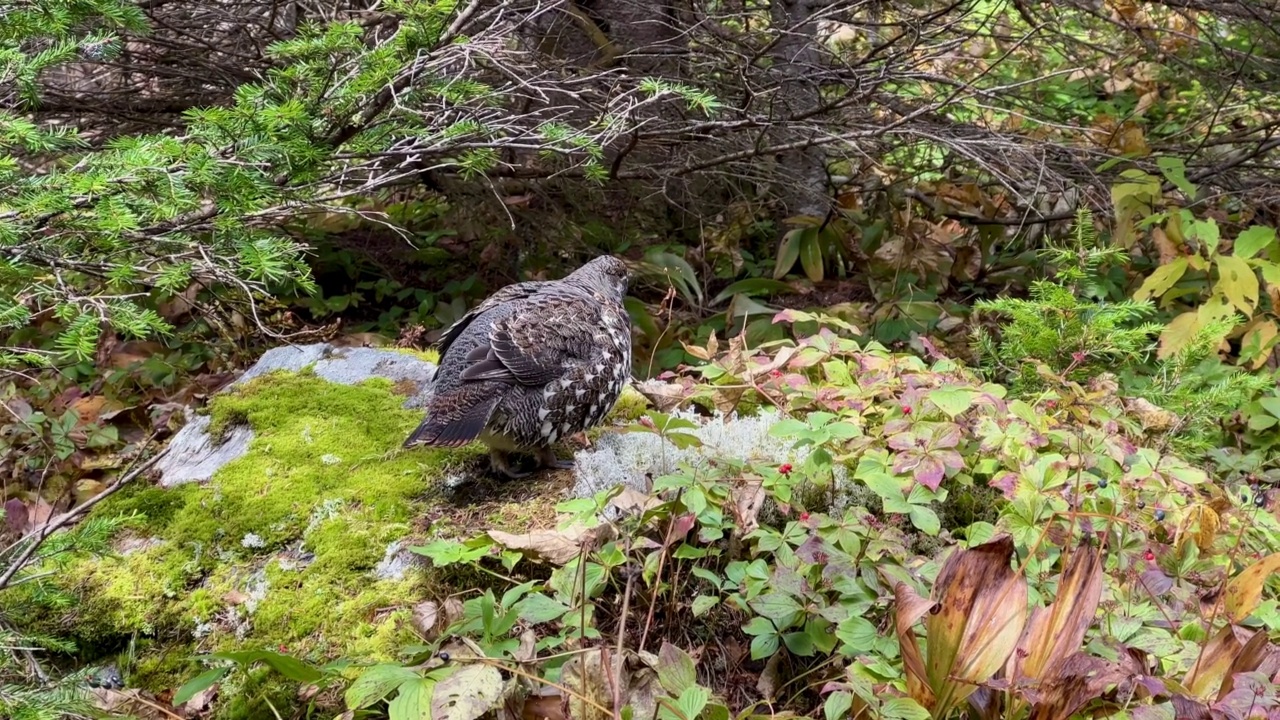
(1159, 282)
(1056, 633)
(1178, 334)
(1238, 283)
(1258, 342)
(1207, 530)
(1245, 590)
(981, 612)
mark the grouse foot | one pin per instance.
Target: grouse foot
(501, 463)
(547, 459)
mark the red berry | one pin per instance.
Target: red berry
(906, 409)
(804, 517)
(785, 468)
(1150, 556)
(775, 373)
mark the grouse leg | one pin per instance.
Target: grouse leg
(547, 459)
(500, 461)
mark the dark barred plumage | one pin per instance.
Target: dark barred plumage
(534, 363)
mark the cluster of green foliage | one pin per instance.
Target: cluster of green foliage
(1070, 327)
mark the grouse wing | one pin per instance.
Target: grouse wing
(510, 293)
(532, 345)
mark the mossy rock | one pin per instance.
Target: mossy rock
(278, 550)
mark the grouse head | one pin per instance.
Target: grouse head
(607, 275)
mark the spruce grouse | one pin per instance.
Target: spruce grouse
(534, 363)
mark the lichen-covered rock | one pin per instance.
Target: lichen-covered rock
(635, 458)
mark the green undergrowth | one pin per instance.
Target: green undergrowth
(913, 489)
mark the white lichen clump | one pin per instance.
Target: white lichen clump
(632, 458)
(252, 540)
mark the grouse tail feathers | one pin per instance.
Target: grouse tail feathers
(455, 419)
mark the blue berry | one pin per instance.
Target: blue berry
(1159, 516)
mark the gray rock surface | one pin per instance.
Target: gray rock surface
(348, 366)
(193, 454)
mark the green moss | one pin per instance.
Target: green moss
(630, 407)
(315, 443)
(278, 549)
(431, 355)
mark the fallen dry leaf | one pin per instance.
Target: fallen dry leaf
(908, 608)
(554, 546)
(1232, 650)
(425, 617)
(543, 707)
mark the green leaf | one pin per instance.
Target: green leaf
(890, 491)
(776, 606)
(290, 667)
(538, 608)
(1270, 271)
(799, 643)
(758, 626)
(788, 253)
(858, 635)
(676, 671)
(1253, 240)
(692, 701)
(1159, 282)
(1237, 281)
(903, 709)
(198, 684)
(1271, 405)
(787, 427)
(837, 705)
(752, 286)
(1174, 170)
(413, 702)
(925, 520)
(703, 604)
(811, 254)
(979, 533)
(763, 646)
(376, 683)
(952, 400)
(1207, 232)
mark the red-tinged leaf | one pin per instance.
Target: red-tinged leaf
(902, 441)
(1006, 483)
(947, 436)
(930, 472)
(1081, 679)
(950, 458)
